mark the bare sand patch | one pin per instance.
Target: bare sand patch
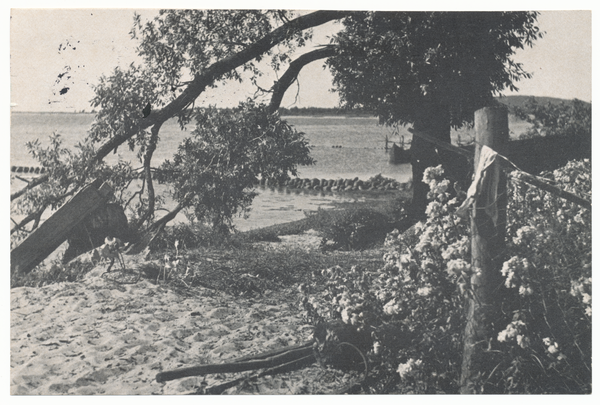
(100, 337)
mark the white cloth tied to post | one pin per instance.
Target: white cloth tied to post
(485, 185)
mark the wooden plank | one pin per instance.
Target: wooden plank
(56, 229)
(237, 367)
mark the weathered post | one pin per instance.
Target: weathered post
(55, 230)
(488, 229)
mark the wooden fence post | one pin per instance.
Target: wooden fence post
(487, 246)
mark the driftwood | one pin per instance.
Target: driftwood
(239, 366)
(334, 343)
(283, 368)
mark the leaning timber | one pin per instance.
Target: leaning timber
(56, 229)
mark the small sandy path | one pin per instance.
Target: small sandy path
(99, 337)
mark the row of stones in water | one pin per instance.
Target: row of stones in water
(377, 183)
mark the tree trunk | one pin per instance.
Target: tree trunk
(435, 122)
(487, 248)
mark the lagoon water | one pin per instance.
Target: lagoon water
(343, 147)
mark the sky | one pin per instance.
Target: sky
(51, 49)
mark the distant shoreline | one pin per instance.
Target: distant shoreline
(51, 112)
(318, 112)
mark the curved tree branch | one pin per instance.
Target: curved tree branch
(31, 185)
(208, 76)
(219, 68)
(291, 74)
(34, 216)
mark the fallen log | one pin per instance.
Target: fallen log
(236, 367)
(283, 368)
(334, 343)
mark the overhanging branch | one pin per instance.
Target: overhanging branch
(221, 67)
(291, 74)
(209, 75)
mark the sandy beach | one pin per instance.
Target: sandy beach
(98, 336)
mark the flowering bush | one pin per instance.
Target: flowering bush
(548, 275)
(413, 305)
(411, 308)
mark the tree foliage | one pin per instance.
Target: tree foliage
(215, 170)
(396, 62)
(572, 119)
(68, 171)
(184, 53)
(431, 70)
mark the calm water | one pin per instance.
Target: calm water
(361, 155)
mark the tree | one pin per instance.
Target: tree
(429, 69)
(184, 52)
(573, 119)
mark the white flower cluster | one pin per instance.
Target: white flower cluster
(392, 307)
(525, 234)
(432, 176)
(553, 349)
(514, 332)
(410, 368)
(458, 267)
(582, 288)
(516, 272)
(460, 248)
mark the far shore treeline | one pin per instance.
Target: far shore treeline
(510, 101)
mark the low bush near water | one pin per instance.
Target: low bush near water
(354, 228)
(413, 305)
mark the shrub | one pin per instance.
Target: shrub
(352, 228)
(215, 170)
(189, 237)
(50, 273)
(548, 273)
(413, 305)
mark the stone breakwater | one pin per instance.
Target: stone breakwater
(28, 169)
(376, 183)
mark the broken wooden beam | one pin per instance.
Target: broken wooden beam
(55, 230)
